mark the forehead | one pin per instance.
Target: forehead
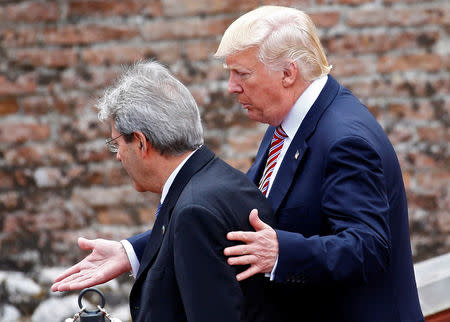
(242, 59)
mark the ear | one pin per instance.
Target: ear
(290, 74)
(141, 141)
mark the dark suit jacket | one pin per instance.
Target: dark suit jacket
(183, 274)
(342, 218)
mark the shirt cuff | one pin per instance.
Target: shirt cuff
(131, 257)
(272, 273)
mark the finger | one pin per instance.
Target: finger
(73, 282)
(72, 270)
(85, 243)
(242, 260)
(236, 250)
(252, 270)
(75, 285)
(257, 223)
(244, 236)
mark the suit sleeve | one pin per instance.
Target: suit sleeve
(139, 242)
(355, 206)
(208, 286)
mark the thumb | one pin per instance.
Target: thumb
(257, 223)
(85, 243)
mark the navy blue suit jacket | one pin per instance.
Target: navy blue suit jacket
(183, 274)
(342, 218)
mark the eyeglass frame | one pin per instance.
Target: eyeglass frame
(113, 147)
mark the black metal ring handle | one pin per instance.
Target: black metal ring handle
(92, 289)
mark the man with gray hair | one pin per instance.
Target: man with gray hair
(183, 274)
(340, 250)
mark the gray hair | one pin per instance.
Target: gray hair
(283, 35)
(149, 99)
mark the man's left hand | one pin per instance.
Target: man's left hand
(260, 250)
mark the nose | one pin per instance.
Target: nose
(233, 84)
(118, 156)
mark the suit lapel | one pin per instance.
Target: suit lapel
(299, 145)
(197, 161)
(255, 171)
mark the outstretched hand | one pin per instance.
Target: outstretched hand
(260, 250)
(107, 260)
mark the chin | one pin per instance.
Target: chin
(139, 188)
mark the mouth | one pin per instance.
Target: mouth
(245, 106)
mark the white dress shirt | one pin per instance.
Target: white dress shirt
(291, 124)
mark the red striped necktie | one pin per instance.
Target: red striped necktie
(275, 148)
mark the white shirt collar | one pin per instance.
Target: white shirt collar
(295, 117)
(172, 177)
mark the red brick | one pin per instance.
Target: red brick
(23, 84)
(325, 19)
(6, 180)
(391, 2)
(245, 142)
(11, 224)
(88, 34)
(416, 87)
(166, 53)
(146, 215)
(421, 160)
(21, 132)
(401, 134)
(107, 197)
(44, 57)
(200, 50)
(344, 2)
(427, 62)
(68, 103)
(184, 28)
(37, 154)
(37, 104)
(8, 105)
(443, 221)
(434, 179)
(113, 216)
(412, 111)
(93, 151)
(19, 36)
(86, 8)
(288, 3)
(28, 11)
(199, 7)
(110, 174)
(24, 177)
(88, 78)
(424, 200)
(369, 88)
(396, 17)
(379, 42)
(349, 66)
(433, 134)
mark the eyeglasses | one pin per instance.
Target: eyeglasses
(113, 147)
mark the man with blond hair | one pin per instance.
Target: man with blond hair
(340, 250)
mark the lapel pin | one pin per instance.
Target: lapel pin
(163, 229)
(296, 155)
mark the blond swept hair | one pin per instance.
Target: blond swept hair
(283, 35)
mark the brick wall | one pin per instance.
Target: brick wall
(57, 180)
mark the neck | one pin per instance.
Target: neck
(164, 166)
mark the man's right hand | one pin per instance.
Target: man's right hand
(107, 260)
